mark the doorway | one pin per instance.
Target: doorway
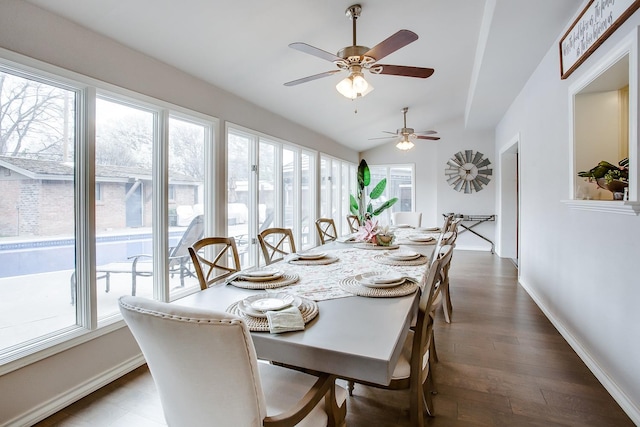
(509, 202)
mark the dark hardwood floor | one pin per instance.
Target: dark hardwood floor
(501, 364)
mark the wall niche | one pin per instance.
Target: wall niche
(604, 132)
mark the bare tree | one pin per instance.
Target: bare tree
(32, 118)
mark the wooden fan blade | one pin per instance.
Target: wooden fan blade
(426, 132)
(384, 137)
(322, 54)
(432, 138)
(310, 78)
(401, 70)
(391, 44)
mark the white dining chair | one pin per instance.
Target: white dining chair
(205, 368)
(414, 219)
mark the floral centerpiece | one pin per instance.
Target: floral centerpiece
(371, 232)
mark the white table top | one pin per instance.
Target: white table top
(354, 337)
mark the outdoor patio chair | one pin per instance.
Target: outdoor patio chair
(141, 265)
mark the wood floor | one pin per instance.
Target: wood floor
(501, 364)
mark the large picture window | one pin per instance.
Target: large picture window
(270, 183)
(83, 207)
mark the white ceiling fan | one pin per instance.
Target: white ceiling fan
(355, 59)
(406, 135)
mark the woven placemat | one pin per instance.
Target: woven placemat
(373, 246)
(320, 261)
(308, 309)
(411, 242)
(284, 280)
(351, 285)
(383, 259)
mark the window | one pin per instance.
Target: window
(400, 184)
(51, 172)
(338, 182)
(269, 184)
(38, 131)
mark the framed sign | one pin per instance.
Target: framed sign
(598, 20)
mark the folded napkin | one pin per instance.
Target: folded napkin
(346, 239)
(288, 319)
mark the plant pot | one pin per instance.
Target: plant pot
(384, 239)
(615, 186)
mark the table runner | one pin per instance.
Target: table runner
(321, 282)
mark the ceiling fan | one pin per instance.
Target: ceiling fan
(406, 135)
(354, 59)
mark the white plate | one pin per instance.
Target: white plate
(379, 279)
(403, 255)
(261, 275)
(421, 238)
(402, 226)
(246, 304)
(431, 229)
(310, 256)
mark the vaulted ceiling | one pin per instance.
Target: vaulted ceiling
(482, 52)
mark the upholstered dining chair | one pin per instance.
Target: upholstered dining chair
(276, 243)
(326, 228)
(414, 219)
(205, 368)
(413, 368)
(214, 259)
(353, 222)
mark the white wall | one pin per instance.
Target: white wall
(581, 267)
(43, 387)
(435, 196)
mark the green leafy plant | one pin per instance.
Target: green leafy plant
(361, 204)
(608, 171)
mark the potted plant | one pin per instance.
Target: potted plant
(361, 205)
(609, 177)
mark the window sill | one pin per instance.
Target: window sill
(606, 206)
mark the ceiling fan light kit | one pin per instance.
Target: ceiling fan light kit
(405, 145)
(354, 59)
(354, 86)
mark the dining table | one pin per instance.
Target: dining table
(352, 331)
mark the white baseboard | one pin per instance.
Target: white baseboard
(63, 400)
(627, 405)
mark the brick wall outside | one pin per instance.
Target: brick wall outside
(46, 208)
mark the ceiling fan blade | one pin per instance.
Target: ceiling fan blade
(310, 78)
(384, 137)
(426, 132)
(391, 44)
(322, 54)
(432, 138)
(390, 133)
(401, 70)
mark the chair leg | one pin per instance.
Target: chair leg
(447, 307)
(350, 387)
(433, 354)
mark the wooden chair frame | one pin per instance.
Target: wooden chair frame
(420, 381)
(274, 250)
(354, 223)
(206, 269)
(327, 231)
